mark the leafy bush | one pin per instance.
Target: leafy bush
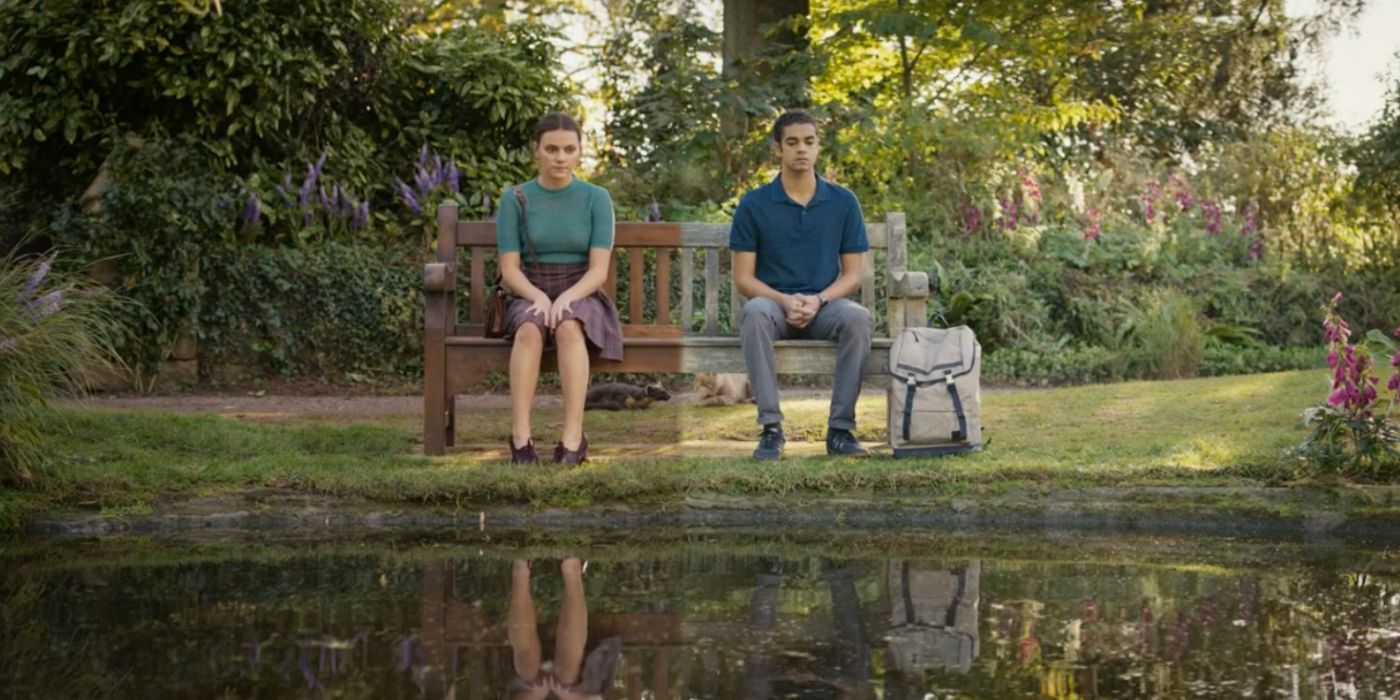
(164, 218)
(327, 309)
(1353, 432)
(55, 333)
(1163, 339)
(1225, 358)
(1061, 366)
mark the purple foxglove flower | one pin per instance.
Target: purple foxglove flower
(972, 219)
(325, 201)
(1008, 214)
(342, 206)
(424, 182)
(405, 654)
(1095, 227)
(307, 186)
(1250, 214)
(407, 193)
(1256, 250)
(454, 177)
(1332, 359)
(1183, 193)
(252, 211)
(361, 217)
(1393, 384)
(1210, 214)
(438, 175)
(35, 280)
(45, 306)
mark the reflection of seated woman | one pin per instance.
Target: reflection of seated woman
(569, 676)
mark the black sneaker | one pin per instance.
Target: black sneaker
(841, 443)
(770, 444)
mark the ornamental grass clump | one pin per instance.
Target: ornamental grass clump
(1354, 432)
(55, 334)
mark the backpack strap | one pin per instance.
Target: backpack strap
(961, 433)
(910, 385)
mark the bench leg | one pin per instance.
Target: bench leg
(450, 434)
(434, 394)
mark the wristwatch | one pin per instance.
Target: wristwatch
(823, 299)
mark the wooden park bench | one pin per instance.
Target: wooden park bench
(664, 329)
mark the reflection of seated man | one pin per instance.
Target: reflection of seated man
(569, 675)
(846, 673)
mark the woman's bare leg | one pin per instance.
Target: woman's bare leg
(573, 378)
(572, 634)
(521, 623)
(524, 378)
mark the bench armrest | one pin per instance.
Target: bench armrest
(440, 277)
(909, 285)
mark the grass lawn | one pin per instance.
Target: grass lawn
(1217, 431)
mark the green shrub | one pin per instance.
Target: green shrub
(1224, 358)
(327, 310)
(1163, 339)
(55, 334)
(1084, 365)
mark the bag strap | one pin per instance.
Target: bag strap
(958, 435)
(524, 225)
(961, 433)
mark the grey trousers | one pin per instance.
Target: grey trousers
(762, 321)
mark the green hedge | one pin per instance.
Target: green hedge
(331, 310)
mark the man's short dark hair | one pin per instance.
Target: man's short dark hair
(790, 117)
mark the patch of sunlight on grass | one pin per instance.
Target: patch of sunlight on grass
(1206, 454)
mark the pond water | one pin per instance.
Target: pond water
(700, 615)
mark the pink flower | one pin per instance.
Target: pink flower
(1210, 214)
(972, 219)
(1095, 225)
(1250, 214)
(1008, 214)
(1183, 193)
(1149, 197)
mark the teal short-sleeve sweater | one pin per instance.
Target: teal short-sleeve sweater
(564, 223)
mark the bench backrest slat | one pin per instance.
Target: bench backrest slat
(649, 281)
(662, 291)
(630, 234)
(711, 290)
(476, 301)
(687, 263)
(636, 289)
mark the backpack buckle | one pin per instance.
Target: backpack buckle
(948, 375)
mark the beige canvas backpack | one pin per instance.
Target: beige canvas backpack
(935, 394)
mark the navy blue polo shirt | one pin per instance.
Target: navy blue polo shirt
(799, 248)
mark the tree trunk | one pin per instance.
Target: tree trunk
(750, 43)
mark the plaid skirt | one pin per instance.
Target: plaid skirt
(596, 312)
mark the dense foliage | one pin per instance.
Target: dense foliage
(1101, 189)
(199, 138)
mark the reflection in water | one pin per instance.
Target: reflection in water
(716, 622)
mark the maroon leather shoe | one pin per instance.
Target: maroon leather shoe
(572, 458)
(523, 455)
